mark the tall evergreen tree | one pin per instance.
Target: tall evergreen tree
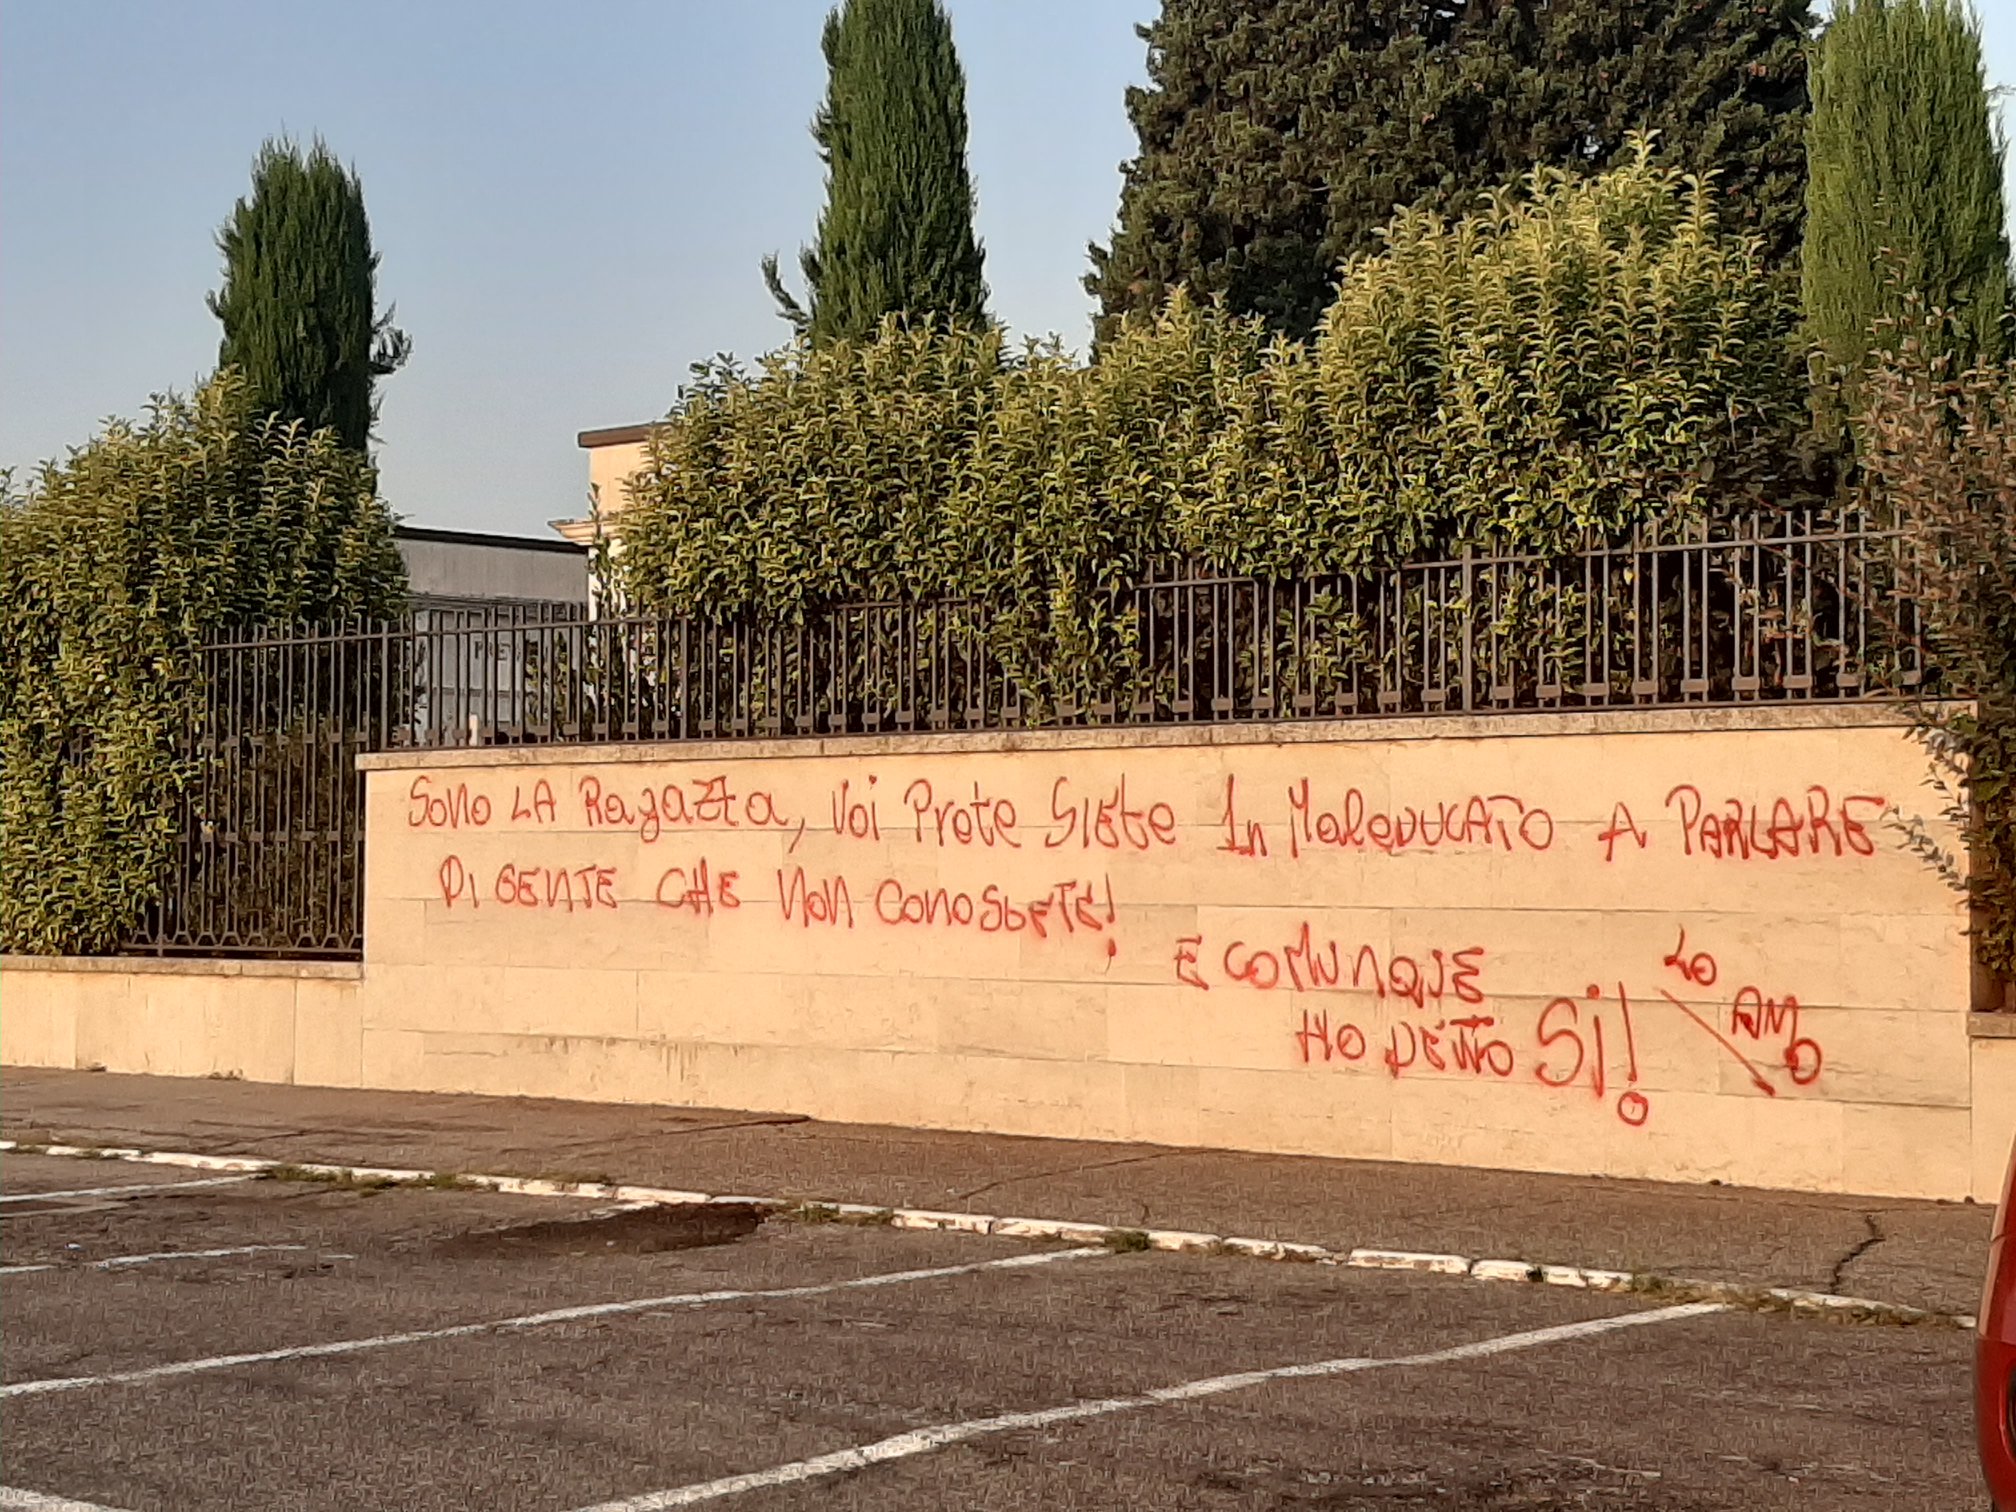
(1905, 194)
(299, 300)
(1278, 136)
(896, 235)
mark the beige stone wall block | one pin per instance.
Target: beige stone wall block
(1161, 1104)
(504, 999)
(1992, 1126)
(247, 1021)
(1891, 1151)
(712, 1008)
(1174, 1025)
(1742, 1140)
(1908, 961)
(38, 1019)
(1865, 1055)
(395, 930)
(632, 936)
(123, 1027)
(183, 1025)
(583, 1066)
(1060, 1099)
(1500, 1123)
(806, 1014)
(1064, 1023)
(328, 1033)
(503, 1065)
(391, 1059)
(862, 1086)
(1302, 1111)
(456, 937)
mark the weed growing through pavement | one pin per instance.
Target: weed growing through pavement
(355, 1181)
(826, 1212)
(1126, 1241)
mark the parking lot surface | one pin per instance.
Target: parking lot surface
(283, 1343)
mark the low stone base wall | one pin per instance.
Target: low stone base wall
(303, 1022)
(270, 1021)
(1992, 1047)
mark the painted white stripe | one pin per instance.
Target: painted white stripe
(14, 1499)
(925, 1440)
(528, 1320)
(130, 1190)
(1067, 1230)
(121, 1260)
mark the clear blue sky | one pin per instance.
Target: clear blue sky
(570, 200)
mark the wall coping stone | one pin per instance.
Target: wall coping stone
(1492, 726)
(334, 971)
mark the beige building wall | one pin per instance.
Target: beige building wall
(615, 455)
(1683, 946)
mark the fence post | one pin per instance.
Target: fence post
(1469, 630)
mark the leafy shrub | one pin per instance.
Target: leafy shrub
(1580, 355)
(114, 563)
(1939, 447)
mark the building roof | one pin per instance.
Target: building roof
(486, 538)
(616, 435)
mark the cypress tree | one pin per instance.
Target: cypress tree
(1720, 85)
(298, 303)
(1266, 125)
(1278, 136)
(1905, 190)
(896, 235)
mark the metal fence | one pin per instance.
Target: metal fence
(1791, 608)
(1786, 609)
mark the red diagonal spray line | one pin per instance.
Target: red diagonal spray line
(1755, 1075)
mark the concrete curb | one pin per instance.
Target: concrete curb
(1678, 1288)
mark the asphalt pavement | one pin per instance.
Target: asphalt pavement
(181, 1339)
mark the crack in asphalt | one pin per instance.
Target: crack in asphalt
(1094, 1165)
(1861, 1247)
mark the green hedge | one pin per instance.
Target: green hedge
(1578, 354)
(113, 564)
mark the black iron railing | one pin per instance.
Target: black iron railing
(1785, 609)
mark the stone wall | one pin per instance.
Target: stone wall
(1685, 946)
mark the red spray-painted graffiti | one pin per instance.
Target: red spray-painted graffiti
(1589, 1040)
(1741, 831)
(1425, 1009)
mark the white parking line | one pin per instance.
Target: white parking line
(122, 1191)
(529, 1320)
(14, 1499)
(118, 1261)
(925, 1440)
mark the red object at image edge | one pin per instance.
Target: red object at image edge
(1995, 1357)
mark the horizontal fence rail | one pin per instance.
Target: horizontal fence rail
(1790, 608)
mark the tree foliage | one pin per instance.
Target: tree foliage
(896, 235)
(1277, 136)
(1905, 195)
(1580, 355)
(299, 299)
(1938, 446)
(113, 565)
